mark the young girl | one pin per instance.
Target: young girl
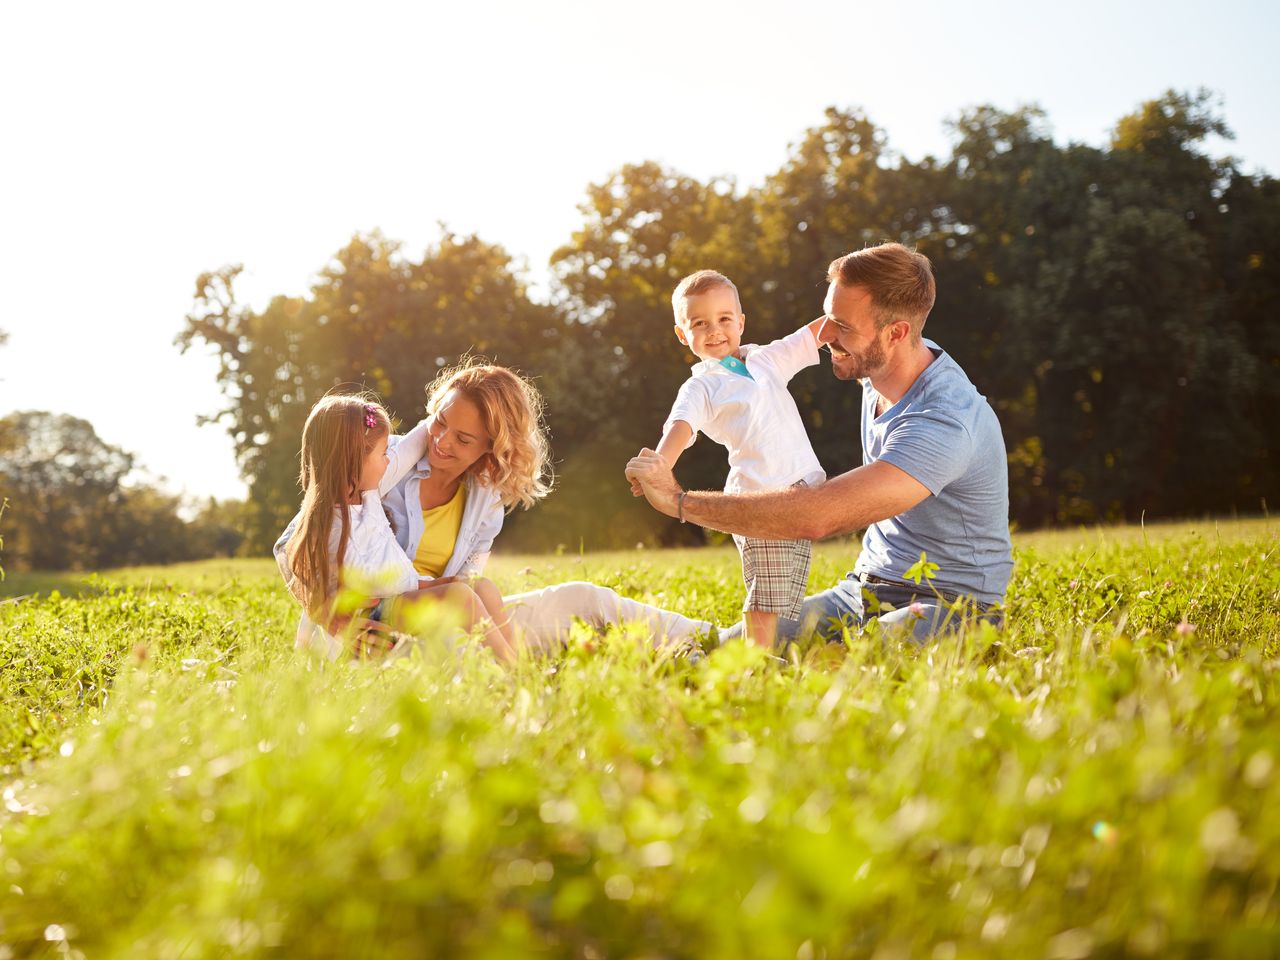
(342, 538)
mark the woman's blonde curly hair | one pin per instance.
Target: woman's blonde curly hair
(518, 464)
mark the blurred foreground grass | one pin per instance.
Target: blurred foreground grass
(1098, 779)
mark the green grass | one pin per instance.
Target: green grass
(1098, 779)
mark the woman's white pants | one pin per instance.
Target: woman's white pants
(545, 617)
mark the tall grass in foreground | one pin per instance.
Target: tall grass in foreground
(1097, 779)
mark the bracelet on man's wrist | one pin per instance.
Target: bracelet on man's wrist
(680, 505)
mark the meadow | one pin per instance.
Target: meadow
(1096, 779)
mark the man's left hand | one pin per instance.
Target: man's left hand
(656, 480)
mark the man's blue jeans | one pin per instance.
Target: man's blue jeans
(917, 614)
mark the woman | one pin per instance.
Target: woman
(487, 453)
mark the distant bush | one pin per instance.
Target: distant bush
(73, 505)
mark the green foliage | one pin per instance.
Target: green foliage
(922, 569)
(4, 505)
(1097, 779)
(74, 504)
(373, 319)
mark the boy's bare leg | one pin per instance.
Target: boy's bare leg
(761, 628)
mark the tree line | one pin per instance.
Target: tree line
(1116, 304)
(75, 502)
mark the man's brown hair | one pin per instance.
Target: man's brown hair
(899, 280)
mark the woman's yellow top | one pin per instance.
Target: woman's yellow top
(440, 527)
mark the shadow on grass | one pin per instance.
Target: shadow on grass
(69, 583)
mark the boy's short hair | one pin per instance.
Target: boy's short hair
(699, 283)
(899, 280)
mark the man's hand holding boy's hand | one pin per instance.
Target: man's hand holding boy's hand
(649, 471)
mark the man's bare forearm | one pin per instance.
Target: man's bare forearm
(767, 515)
(849, 502)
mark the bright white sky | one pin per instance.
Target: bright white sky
(143, 143)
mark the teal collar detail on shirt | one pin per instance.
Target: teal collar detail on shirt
(734, 365)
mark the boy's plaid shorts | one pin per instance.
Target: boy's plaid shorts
(776, 573)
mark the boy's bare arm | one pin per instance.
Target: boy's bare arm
(670, 447)
(674, 441)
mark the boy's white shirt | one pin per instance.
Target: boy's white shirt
(755, 419)
(372, 554)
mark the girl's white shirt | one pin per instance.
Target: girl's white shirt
(373, 560)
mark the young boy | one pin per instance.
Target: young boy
(738, 397)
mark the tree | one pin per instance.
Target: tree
(1115, 303)
(61, 480)
(644, 228)
(841, 188)
(76, 502)
(373, 319)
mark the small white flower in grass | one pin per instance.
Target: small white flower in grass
(619, 887)
(1258, 770)
(752, 809)
(1186, 629)
(67, 749)
(558, 811)
(657, 854)
(995, 928)
(1075, 944)
(1219, 830)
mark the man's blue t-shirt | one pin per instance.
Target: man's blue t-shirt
(945, 435)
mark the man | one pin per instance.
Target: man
(934, 478)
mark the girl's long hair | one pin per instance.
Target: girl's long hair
(518, 464)
(340, 431)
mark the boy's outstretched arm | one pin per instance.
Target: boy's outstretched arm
(674, 441)
(670, 447)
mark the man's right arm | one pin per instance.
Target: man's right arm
(851, 501)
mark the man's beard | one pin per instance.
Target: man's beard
(859, 366)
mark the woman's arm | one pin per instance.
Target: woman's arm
(480, 541)
(403, 455)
